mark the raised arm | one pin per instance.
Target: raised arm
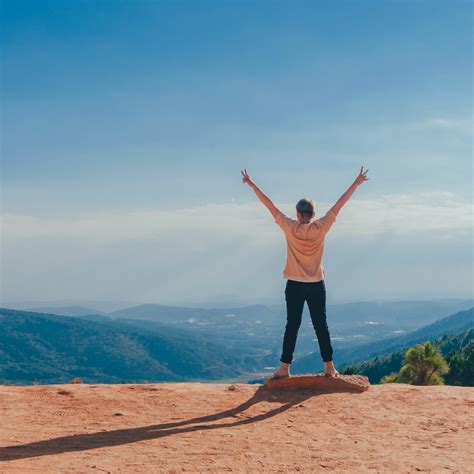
(346, 196)
(266, 201)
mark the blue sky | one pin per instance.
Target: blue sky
(115, 109)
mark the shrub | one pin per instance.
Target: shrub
(76, 380)
(423, 365)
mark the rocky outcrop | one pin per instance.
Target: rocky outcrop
(341, 383)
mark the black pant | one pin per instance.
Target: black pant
(314, 293)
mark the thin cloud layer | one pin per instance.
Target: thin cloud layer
(397, 213)
(397, 244)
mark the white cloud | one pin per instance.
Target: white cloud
(442, 123)
(396, 213)
(410, 213)
(392, 244)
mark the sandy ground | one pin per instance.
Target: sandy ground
(195, 427)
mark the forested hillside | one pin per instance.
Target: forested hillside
(54, 349)
(454, 323)
(458, 349)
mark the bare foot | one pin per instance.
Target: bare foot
(282, 372)
(330, 370)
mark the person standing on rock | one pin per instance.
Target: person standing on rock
(304, 270)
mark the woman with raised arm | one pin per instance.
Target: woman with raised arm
(304, 270)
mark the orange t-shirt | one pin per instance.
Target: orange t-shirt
(305, 246)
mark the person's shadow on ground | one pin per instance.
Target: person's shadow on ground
(83, 442)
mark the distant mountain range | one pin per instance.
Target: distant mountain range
(394, 313)
(262, 326)
(412, 313)
(65, 310)
(98, 306)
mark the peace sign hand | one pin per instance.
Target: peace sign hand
(362, 176)
(246, 178)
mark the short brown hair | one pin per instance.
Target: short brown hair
(305, 207)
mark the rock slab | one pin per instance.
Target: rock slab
(344, 383)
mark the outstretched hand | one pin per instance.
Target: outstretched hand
(246, 178)
(362, 176)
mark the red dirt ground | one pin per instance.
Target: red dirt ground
(195, 427)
